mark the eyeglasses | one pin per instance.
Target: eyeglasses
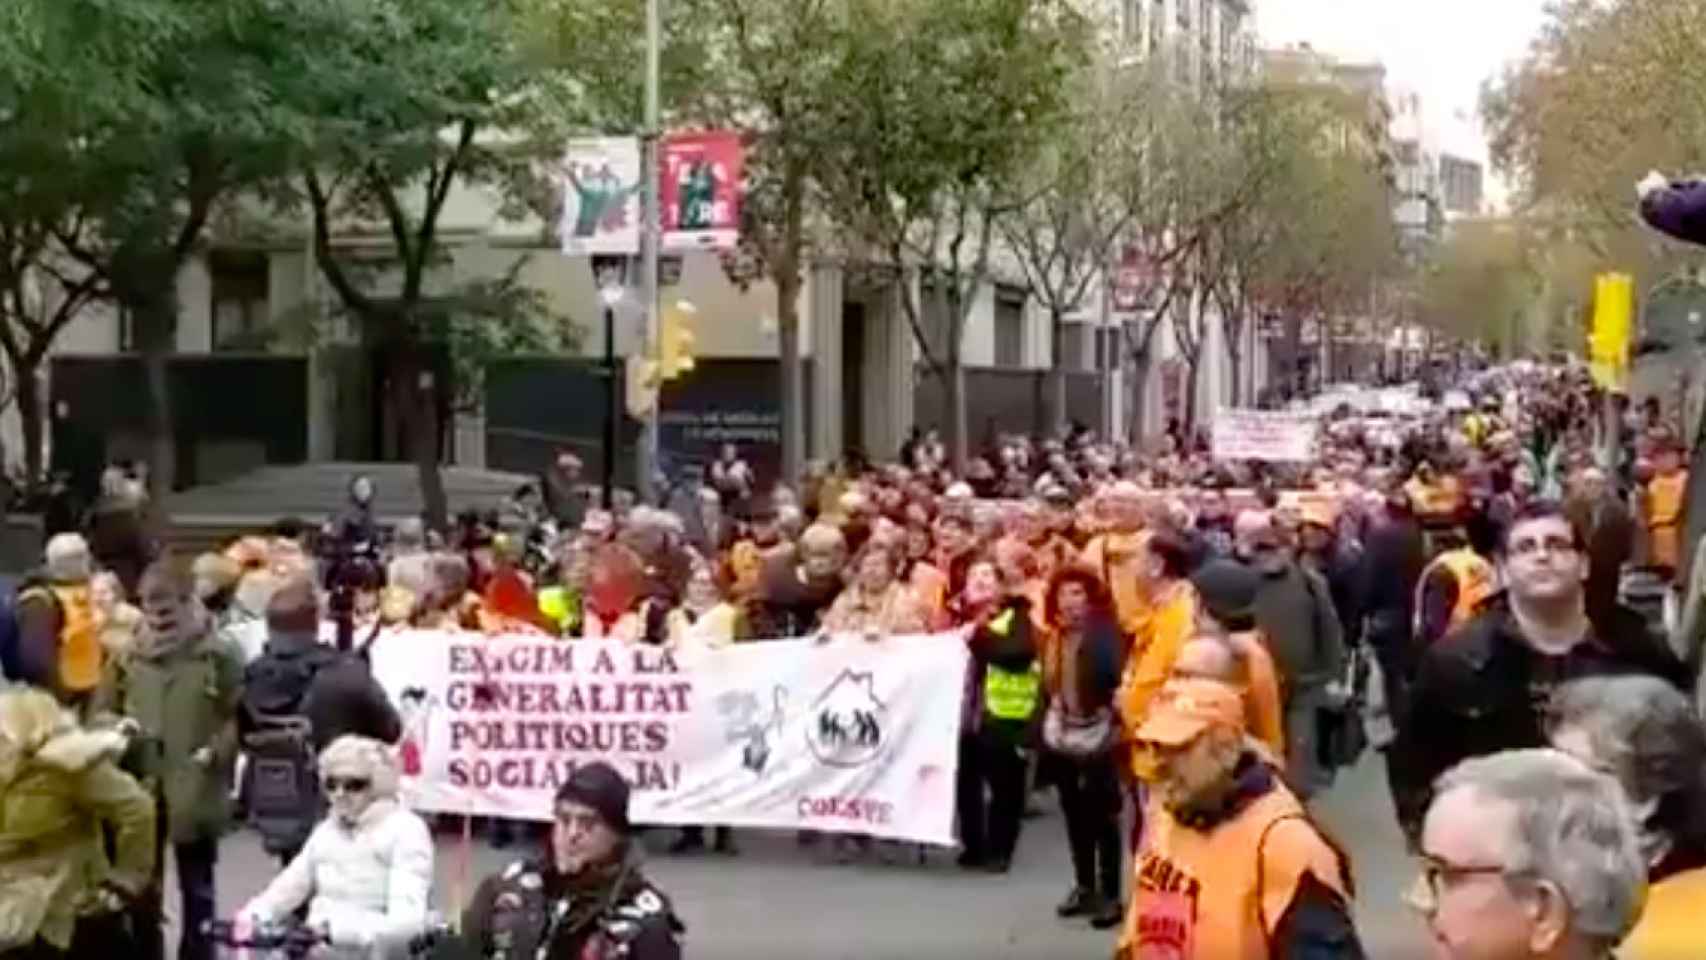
(1438, 876)
(350, 785)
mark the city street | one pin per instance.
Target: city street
(777, 900)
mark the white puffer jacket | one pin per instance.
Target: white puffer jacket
(368, 886)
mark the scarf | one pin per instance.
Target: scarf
(1251, 780)
(589, 896)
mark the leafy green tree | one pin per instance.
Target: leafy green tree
(201, 115)
(765, 68)
(1078, 196)
(66, 67)
(1481, 285)
(951, 98)
(412, 102)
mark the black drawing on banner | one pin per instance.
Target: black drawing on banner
(847, 728)
(744, 719)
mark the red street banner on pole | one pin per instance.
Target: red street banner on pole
(703, 177)
(1133, 280)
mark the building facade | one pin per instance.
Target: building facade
(866, 382)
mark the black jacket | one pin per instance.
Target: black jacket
(1483, 690)
(514, 912)
(1342, 568)
(345, 699)
(296, 675)
(1392, 560)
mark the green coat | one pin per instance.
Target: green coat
(52, 809)
(184, 700)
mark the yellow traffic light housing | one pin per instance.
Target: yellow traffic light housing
(676, 340)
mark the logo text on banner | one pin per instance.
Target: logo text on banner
(846, 736)
(1261, 435)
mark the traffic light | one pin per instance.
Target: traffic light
(676, 340)
(1608, 341)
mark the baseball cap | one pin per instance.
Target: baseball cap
(1319, 514)
(1188, 708)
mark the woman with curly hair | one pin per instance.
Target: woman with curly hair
(1083, 659)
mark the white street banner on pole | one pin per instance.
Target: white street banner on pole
(841, 737)
(1263, 435)
(601, 196)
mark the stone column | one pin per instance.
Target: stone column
(827, 290)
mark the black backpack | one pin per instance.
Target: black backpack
(281, 787)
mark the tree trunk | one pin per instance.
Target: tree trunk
(793, 394)
(1192, 367)
(956, 396)
(1294, 377)
(1235, 367)
(154, 335)
(786, 271)
(414, 403)
(1056, 380)
(1139, 392)
(30, 417)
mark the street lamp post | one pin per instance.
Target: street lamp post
(610, 273)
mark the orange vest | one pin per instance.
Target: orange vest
(1664, 514)
(79, 640)
(1264, 715)
(1161, 633)
(1435, 502)
(1476, 581)
(1220, 895)
(1114, 558)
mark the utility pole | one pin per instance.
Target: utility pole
(650, 165)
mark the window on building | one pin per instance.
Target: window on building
(239, 290)
(1132, 28)
(1157, 26)
(1182, 14)
(1009, 328)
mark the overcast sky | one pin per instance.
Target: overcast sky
(1441, 49)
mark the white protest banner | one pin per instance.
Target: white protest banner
(601, 196)
(1263, 435)
(847, 736)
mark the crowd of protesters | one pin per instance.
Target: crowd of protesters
(1185, 650)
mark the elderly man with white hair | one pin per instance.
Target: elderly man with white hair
(411, 565)
(59, 646)
(367, 870)
(1529, 855)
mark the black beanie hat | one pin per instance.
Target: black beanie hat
(599, 786)
(1228, 590)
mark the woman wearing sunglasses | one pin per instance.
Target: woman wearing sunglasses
(366, 871)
